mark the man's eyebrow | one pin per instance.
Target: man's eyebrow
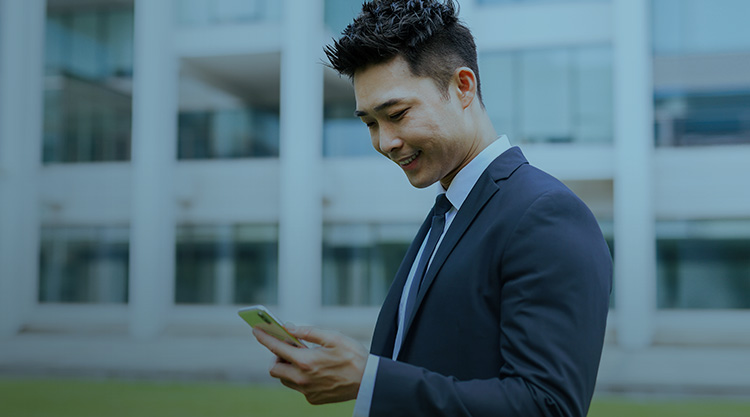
(379, 107)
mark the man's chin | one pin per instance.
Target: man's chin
(420, 182)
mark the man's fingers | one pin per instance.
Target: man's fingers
(314, 335)
(285, 372)
(290, 376)
(281, 349)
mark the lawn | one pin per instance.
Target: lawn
(75, 398)
(80, 398)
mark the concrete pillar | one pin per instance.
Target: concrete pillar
(634, 221)
(152, 228)
(300, 220)
(224, 269)
(21, 83)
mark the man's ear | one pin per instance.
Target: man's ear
(466, 85)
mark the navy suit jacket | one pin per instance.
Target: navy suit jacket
(511, 314)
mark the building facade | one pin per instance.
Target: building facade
(163, 163)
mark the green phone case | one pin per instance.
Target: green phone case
(260, 317)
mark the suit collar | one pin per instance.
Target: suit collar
(465, 179)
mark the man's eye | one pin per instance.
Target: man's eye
(398, 115)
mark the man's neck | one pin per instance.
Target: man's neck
(483, 135)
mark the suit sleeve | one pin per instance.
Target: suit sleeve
(555, 271)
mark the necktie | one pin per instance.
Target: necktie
(442, 205)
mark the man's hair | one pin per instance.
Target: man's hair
(426, 33)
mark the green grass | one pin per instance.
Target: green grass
(608, 407)
(80, 398)
(74, 398)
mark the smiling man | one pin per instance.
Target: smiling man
(500, 304)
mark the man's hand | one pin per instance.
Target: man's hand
(328, 373)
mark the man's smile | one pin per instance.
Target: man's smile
(408, 160)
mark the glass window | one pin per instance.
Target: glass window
(88, 84)
(550, 95)
(703, 264)
(228, 133)
(685, 118)
(701, 78)
(226, 264)
(84, 264)
(700, 26)
(361, 260)
(344, 134)
(229, 107)
(531, 1)
(545, 96)
(592, 107)
(220, 12)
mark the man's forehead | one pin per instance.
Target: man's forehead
(377, 82)
(379, 97)
(384, 84)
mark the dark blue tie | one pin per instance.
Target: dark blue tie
(442, 205)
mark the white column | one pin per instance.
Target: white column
(152, 235)
(300, 220)
(635, 246)
(224, 269)
(21, 82)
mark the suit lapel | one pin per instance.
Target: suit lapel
(384, 336)
(501, 168)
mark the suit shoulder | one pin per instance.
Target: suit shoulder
(533, 182)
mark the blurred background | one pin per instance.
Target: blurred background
(166, 162)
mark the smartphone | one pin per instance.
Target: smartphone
(259, 316)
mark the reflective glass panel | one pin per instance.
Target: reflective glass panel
(701, 72)
(700, 26)
(88, 84)
(532, 1)
(550, 95)
(229, 107)
(704, 264)
(84, 264)
(226, 264)
(228, 133)
(344, 134)
(192, 13)
(361, 260)
(685, 118)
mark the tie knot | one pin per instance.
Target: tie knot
(442, 205)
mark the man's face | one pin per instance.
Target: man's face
(412, 123)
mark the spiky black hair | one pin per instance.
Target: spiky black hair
(426, 33)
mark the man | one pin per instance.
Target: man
(506, 315)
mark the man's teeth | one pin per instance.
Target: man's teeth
(408, 161)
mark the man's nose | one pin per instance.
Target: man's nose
(389, 141)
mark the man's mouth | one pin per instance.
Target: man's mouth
(409, 160)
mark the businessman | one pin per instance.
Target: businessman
(500, 304)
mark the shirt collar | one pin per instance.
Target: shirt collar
(465, 179)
